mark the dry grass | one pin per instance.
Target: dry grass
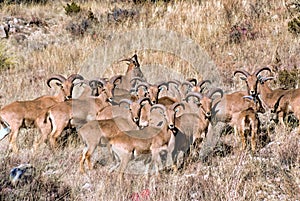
(50, 48)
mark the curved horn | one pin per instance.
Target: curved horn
(242, 72)
(277, 104)
(175, 105)
(82, 82)
(94, 83)
(58, 77)
(129, 102)
(160, 106)
(137, 78)
(192, 80)
(263, 79)
(188, 84)
(203, 82)
(144, 99)
(163, 84)
(104, 79)
(248, 97)
(115, 78)
(176, 82)
(262, 69)
(73, 77)
(216, 91)
(102, 82)
(193, 94)
(143, 84)
(125, 60)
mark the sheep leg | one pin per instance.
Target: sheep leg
(55, 133)
(86, 156)
(13, 139)
(170, 148)
(253, 140)
(281, 119)
(242, 135)
(124, 156)
(44, 130)
(156, 161)
(253, 137)
(82, 160)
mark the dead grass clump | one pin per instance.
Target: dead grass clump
(121, 15)
(81, 19)
(294, 25)
(289, 78)
(241, 32)
(289, 150)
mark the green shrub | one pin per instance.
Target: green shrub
(72, 8)
(6, 62)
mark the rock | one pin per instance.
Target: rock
(24, 173)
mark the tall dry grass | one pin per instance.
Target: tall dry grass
(51, 48)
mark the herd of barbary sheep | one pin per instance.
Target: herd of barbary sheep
(169, 115)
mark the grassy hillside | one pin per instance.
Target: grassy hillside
(178, 39)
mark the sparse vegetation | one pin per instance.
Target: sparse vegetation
(289, 78)
(234, 34)
(72, 8)
(294, 25)
(6, 61)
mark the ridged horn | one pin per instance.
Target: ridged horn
(192, 80)
(246, 73)
(263, 79)
(95, 83)
(176, 82)
(203, 82)
(144, 99)
(129, 102)
(143, 84)
(193, 94)
(137, 78)
(216, 91)
(73, 77)
(262, 69)
(188, 84)
(163, 84)
(276, 105)
(57, 77)
(175, 105)
(248, 97)
(115, 78)
(160, 106)
(82, 82)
